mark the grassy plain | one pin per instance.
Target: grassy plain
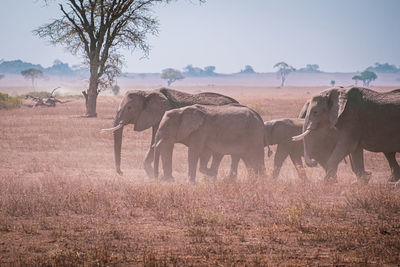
(61, 203)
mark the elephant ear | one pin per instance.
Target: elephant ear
(154, 108)
(337, 101)
(303, 111)
(192, 119)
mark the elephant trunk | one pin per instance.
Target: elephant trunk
(309, 161)
(117, 145)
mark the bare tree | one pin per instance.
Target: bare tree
(96, 29)
(283, 71)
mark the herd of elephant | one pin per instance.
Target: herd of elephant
(333, 124)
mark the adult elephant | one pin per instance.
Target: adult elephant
(364, 119)
(321, 144)
(233, 130)
(145, 109)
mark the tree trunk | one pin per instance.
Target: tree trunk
(283, 81)
(91, 97)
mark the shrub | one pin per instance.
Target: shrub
(7, 101)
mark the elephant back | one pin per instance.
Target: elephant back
(178, 99)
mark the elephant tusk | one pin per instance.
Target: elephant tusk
(112, 129)
(301, 136)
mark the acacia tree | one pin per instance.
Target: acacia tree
(96, 29)
(32, 74)
(367, 77)
(283, 71)
(171, 75)
(356, 78)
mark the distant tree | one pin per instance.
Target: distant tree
(367, 77)
(209, 70)
(97, 29)
(32, 74)
(283, 71)
(115, 89)
(171, 75)
(356, 78)
(383, 68)
(248, 70)
(2, 76)
(333, 82)
(189, 70)
(310, 68)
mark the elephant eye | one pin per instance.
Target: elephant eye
(315, 112)
(129, 108)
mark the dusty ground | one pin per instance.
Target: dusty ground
(61, 202)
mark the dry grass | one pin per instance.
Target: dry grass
(61, 203)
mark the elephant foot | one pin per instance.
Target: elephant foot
(331, 180)
(364, 177)
(208, 171)
(232, 175)
(394, 179)
(304, 180)
(167, 179)
(149, 171)
(119, 172)
(192, 181)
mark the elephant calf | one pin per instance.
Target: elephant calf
(279, 132)
(232, 129)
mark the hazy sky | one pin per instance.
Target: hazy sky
(339, 35)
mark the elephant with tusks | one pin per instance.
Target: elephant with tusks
(363, 119)
(145, 109)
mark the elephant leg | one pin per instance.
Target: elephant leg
(280, 156)
(255, 161)
(216, 161)
(298, 164)
(343, 147)
(166, 158)
(196, 147)
(150, 155)
(234, 167)
(204, 159)
(357, 165)
(394, 166)
(193, 158)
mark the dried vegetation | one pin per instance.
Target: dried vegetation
(61, 203)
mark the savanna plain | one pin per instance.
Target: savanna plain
(62, 204)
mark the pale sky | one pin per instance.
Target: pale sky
(339, 35)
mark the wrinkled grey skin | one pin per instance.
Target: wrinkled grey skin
(279, 132)
(225, 130)
(320, 145)
(364, 119)
(145, 109)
